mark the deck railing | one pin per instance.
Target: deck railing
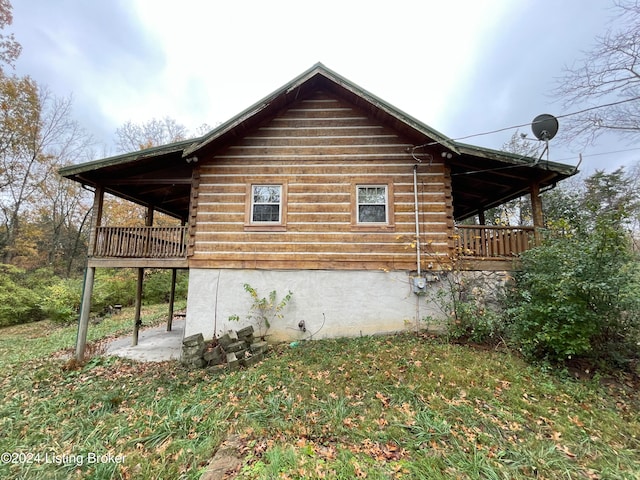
(489, 241)
(141, 242)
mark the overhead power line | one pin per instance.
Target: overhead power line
(600, 154)
(512, 127)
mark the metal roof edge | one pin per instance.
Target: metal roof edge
(71, 170)
(514, 158)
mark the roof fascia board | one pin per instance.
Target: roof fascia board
(515, 159)
(159, 151)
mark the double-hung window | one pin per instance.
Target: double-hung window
(266, 207)
(266, 204)
(372, 204)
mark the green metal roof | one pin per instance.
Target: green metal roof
(125, 158)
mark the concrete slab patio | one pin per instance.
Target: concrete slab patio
(155, 344)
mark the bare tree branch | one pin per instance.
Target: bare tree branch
(611, 71)
(132, 136)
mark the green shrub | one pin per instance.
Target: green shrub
(157, 286)
(61, 301)
(18, 304)
(474, 304)
(475, 323)
(578, 296)
(113, 286)
(31, 296)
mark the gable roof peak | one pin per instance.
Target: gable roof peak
(290, 91)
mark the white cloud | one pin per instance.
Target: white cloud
(462, 66)
(411, 54)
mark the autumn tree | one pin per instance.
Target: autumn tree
(609, 75)
(62, 220)
(9, 48)
(37, 136)
(132, 136)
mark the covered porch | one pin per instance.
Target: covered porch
(483, 179)
(158, 180)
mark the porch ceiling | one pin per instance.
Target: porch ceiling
(483, 178)
(158, 177)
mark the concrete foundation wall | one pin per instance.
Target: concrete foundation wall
(350, 303)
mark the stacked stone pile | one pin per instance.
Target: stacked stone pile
(226, 353)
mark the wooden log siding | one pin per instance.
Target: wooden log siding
(141, 242)
(320, 149)
(494, 241)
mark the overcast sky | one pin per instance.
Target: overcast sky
(461, 67)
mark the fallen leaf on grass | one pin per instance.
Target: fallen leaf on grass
(358, 471)
(349, 422)
(327, 452)
(383, 398)
(381, 422)
(566, 451)
(576, 421)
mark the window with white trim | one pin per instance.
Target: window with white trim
(372, 203)
(266, 204)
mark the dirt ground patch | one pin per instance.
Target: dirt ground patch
(227, 461)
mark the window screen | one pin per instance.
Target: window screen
(266, 203)
(372, 204)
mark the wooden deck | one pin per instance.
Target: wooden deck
(480, 247)
(152, 247)
(490, 247)
(494, 241)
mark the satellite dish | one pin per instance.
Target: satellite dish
(544, 127)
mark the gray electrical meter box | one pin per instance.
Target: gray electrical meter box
(419, 285)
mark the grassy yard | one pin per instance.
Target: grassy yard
(373, 407)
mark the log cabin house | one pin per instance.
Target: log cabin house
(321, 189)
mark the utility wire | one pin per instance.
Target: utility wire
(530, 123)
(600, 154)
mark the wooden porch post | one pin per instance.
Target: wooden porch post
(87, 290)
(136, 321)
(172, 296)
(536, 211)
(83, 322)
(481, 219)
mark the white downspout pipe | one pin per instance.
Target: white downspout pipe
(415, 195)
